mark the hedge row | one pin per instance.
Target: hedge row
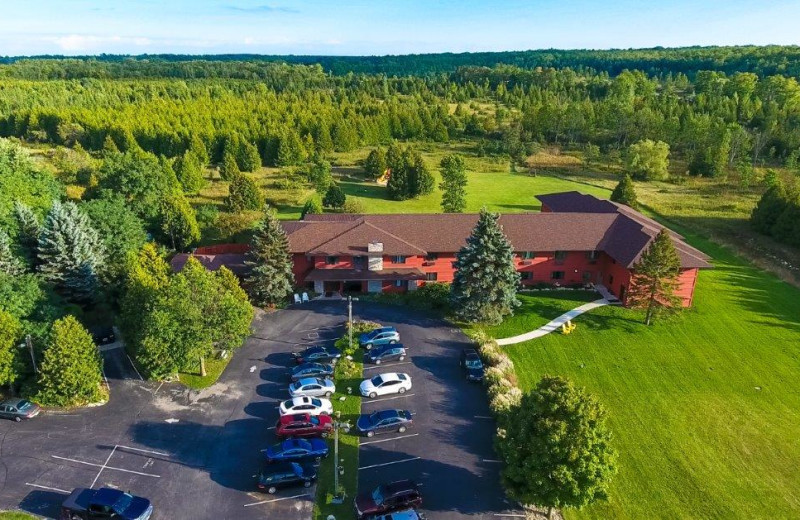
(501, 377)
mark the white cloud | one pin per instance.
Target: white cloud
(86, 42)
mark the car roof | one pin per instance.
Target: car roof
(295, 417)
(383, 414)
(294, 443)
(388, 346)
(15, 401)
(311, 381)
(106, 496)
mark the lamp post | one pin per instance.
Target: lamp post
(338, 468)
(350, 301)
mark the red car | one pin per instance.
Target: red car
(304, 425)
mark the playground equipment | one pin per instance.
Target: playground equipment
(383, 180)
(568, 327)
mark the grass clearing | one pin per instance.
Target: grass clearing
(704, 407)
(214, 368)
(16, 515)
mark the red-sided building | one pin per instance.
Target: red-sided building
(577, 239)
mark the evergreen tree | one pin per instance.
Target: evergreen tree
(624, 192)
(557, 448)
(248, 158)
(28, 226)
(420, 180)
(189, 172)
(313, 206)
(71, 371)
(398, 185)
(335, 197)
(198, 148)
(271, 278)
(109, 146)
(454, 184)
(770, 207)
(485, 283)
(290, 149)
(320, 175)
(344, 136)
(9, 263)
(229, 169)
(394, 156)
(654, 278)
(10, 333)
(375, 163)
(71, 254)
(243, 194)
(787, 227)
(178, 221)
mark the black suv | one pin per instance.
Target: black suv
(388, 497)
(471, 363)
(285, 474)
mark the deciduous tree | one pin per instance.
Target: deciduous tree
(178, 221)
(313, 206)
(648, 160)
(654, 278)
(10, 333)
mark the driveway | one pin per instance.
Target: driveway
(194, 454)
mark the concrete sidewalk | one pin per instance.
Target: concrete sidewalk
(555, 324)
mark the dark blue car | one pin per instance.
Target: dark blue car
(384, 421)
(311, 370)
(385, 353)
(293, 450)
(90, 504)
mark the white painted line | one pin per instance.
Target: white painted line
(103, 467)
(143, 450)
(368, 400)
(389, 463)
(514, 515)
(134, 367)
(492, 460)
(103, 370)
(159, 387)
(483, 417)
(171, 420)
(275, 500)
(106, 467)
(271, 428)
(48, 488)
(387, 440)
(387, 366)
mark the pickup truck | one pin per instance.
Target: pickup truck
(105, 503)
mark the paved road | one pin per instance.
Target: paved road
(194, 454)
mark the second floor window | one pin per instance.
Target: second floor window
(560, 256)
(430, 257)
(398, 259)
(527, 255)
(431, 277)
(331, 260)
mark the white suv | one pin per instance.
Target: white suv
(384, 384)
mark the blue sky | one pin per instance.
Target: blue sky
(379, 27)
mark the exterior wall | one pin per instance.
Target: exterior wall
(442, 266)
(544, 264)
(344, 262)
(615, 277)
(301, 265)
(687, 280)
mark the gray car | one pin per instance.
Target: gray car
(19, 409)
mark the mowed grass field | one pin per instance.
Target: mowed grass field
(705, 407)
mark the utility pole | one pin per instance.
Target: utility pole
(350, 301)
(338, 469)
(29, 342)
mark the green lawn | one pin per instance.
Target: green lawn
(214, 368)
(705, 408)
(15, 515)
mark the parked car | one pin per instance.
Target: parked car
(19, 409)
(387, 352)
(103, 335)
(103, 503)
(294, 450)
(472, 365)
(285, 474)
(388, 497)
(384, 384)
(383, 421)
(406, 514)
(309, 405)
(381, 336)
(312, 387)
(304, 425)
(311, 370)
(318, 355)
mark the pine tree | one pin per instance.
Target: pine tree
(71, 371)
(271, 278)
(454, 184)
(375, 163)
(654, 278)
(198, 148)
(229, 169)
(189, 172)
(624, 192)
(557, 448)
(485, 283)
(398, 185)
(9, 264)
(29, 227)
(10, 333)
(70, 253)
(290, 149)
(421, 182)
(770, 207)
(109, 146)
(178, 221)
(243, 194)
(334, 197)
(320, 175)
(248, 158)
(313, 206)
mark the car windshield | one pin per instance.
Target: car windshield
(295, 386)
(24, 405)
(377, 495)
(122, 503)
(474, 363)
(314, 420)
(376, 381)
(317, 403)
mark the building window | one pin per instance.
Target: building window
(431, 277)
(526, 275)
(560, 256)
(359, 261)
(331, 260)
(592, 256)
(527, 255)
(430, 257)
(557, 275)
(399, 283)
(399, 259)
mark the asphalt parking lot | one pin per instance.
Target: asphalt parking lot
(194, 454)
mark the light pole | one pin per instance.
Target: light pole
(350, 301)
(337, 467)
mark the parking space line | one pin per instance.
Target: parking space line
(103, 467)
(103, 370)
(483, 417)
(275, 500)
(143, 450)
(514, 515)
(134, 367)
(387, 366)
(493, 461)
(367, 401)
(47, 488)
(106, 467)
(387, 440)
(389, 463)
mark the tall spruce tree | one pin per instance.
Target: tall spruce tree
(243, 194)
(70, 373)
(624, 193)
(189, 172)
(9, 263)
(271, 278)
(375, 163)
(485, 283)
(229, 169)
(654, 279)
(71, 254)
(557, 448)
(29, 227)
(454, 184)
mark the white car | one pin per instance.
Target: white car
(391, 383)
(309, 405)
(312, 387)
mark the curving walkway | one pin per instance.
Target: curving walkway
(555, 324)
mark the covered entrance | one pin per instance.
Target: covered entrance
(341, 281)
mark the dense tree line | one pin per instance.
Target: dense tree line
(778, 214)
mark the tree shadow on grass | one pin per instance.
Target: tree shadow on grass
(367, 191)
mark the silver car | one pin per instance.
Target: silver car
(312, 387)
